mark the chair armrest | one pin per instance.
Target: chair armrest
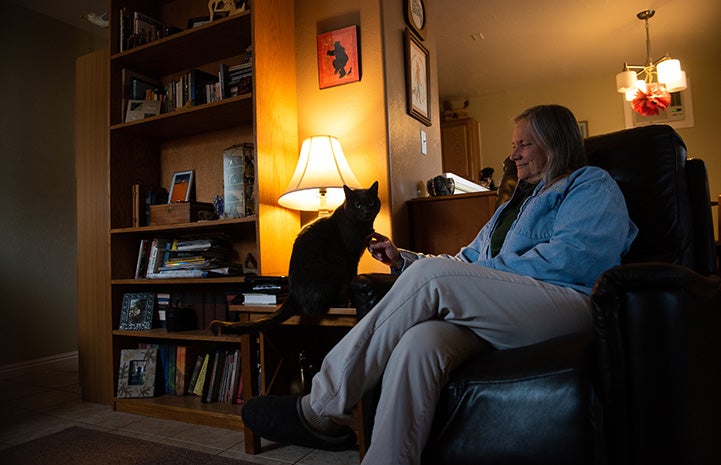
(368, 289)
(657, 329)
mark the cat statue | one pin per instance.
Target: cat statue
(323, 262)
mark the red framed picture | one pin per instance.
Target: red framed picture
(338, 59)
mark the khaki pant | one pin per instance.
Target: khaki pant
(437, 314)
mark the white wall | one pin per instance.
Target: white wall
(37, 184)
(596, 101)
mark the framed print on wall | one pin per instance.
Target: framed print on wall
(415, 11)
(338, 58)
(418, 79)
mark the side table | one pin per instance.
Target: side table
(260, 370)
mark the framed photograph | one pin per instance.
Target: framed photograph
(137, 311)
(583, 127)
(136, 376)
(338, 58)
(418, 77)
(415, 12)
(199, 21)
(181, 186)
(140, 109)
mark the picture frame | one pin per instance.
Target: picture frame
(141, 109)
(583, 127)
(338, 57)
(137, 372)
(136, 312)
(181, 186)
(198, 21)
(418, 77)
(416, 17)
(136, 86)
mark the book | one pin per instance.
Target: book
(181, 369)
(199, 387)
(142, 262)
(155, 256)
(213, 384)
(196, 373)
(256, 298)
(163, 301)
(172, 360)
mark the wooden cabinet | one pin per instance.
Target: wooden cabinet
(447, 223)
(148, 151)
(461, 147)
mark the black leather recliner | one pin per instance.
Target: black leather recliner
(646, 387)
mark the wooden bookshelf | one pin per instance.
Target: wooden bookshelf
(119, 154)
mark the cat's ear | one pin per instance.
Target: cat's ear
(374, 188)
(347, 190)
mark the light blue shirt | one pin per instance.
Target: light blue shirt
(567, 234)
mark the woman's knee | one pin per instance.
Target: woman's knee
(436, 344)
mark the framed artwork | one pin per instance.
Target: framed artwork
(198, 21)
(415, 12)
(418, 79)
(338, 58)
(583, 127)
(137, 311)
(136, 376)
(181, 186)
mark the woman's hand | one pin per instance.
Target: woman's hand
(382, 249)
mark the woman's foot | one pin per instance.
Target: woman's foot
(281, 419)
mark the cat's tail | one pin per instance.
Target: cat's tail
(269, 321)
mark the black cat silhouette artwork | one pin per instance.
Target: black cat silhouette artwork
(340, 61)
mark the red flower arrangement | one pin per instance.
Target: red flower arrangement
(650, 102)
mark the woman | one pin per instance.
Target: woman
(525, 278)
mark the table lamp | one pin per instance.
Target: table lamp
(321, 173)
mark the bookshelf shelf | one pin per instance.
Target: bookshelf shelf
(194, 335)
(197, 226)
(223, 114)
(185, 408)
(229, 36)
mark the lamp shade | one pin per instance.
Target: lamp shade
(679, 85)
(319, 177)
(625, 81)
(668, 71)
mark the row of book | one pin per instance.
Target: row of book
(188, 257)
(211, 375)
(137, 29)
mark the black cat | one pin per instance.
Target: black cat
(324, 260)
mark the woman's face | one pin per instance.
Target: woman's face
(530, 160)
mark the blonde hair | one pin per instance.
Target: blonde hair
(556, 131)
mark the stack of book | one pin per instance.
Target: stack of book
(237, 79)
(197, 257)
(263, 290)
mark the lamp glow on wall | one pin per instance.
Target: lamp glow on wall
(317, 184)
(648, 86)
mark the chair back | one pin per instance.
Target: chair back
(667, 195)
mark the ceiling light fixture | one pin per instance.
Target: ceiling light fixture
(648, 86)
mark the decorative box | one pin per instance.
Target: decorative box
(181, 212)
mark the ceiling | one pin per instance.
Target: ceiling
(487, 46)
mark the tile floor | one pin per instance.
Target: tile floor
(44, 398)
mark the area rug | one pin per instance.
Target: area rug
(81, 446)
